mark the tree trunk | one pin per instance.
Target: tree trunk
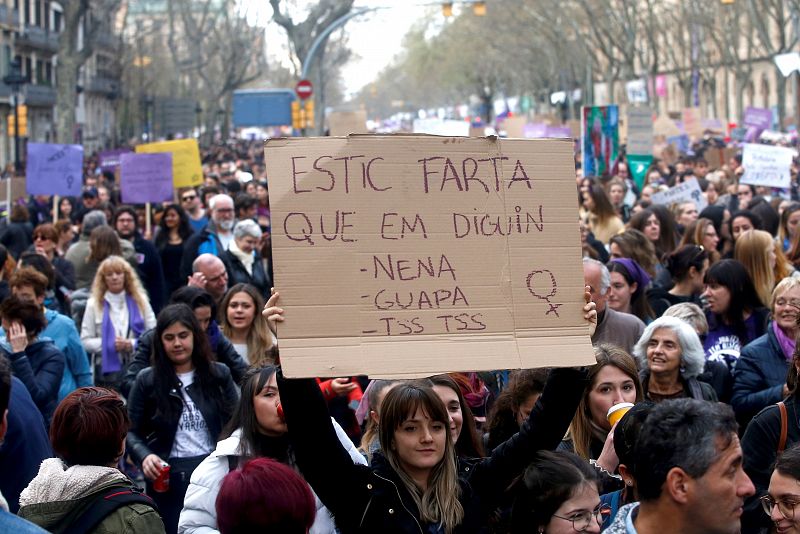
(69, 62)
(780, 88)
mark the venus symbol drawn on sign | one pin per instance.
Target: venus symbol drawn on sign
(70, 180)
(548, 283)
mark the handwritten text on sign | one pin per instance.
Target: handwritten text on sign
(414, 255)
(767, 165)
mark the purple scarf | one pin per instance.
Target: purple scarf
(787, 344)
(111, 361)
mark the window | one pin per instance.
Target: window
(57, 18)
(40, 79)
(27, 11)
(37, 7)
(48, 73)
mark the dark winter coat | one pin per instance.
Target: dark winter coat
(693, 388)
(220, 346)
(153, 432)
(759, 375)
(237, 274)
(17, 237)
(40, 367)
(372, 499)
(148, 263)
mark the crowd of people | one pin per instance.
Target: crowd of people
(141, 389)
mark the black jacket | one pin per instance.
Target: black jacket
(17, 237)
(694, 388)
(220, 345)
(759, 447)
(40, 367)
(759, 376)
(371, 499)
(237, 274)
(148, 263)
(153, 432)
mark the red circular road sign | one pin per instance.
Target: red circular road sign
(304, 89)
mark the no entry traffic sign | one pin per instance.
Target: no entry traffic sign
(304, 89)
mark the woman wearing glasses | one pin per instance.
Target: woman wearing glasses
(559, 495)
(780, 504)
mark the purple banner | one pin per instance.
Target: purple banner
(109, 159)
(559, 131)
(54, 169)
(535, 130)
(758, 118)
(146, 177)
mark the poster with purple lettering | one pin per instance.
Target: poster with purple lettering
(146, 177)
(599, 139)
(412, 255)
(54, 169)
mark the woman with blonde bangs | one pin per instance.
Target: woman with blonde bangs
(117, 313)
(764, 261)
(240, 322)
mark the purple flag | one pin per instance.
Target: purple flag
(54, 169)
(758, 118)
(146, 177)
(109, 159)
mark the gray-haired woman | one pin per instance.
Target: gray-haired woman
(671, 357)
(242, 261)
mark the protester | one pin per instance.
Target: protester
(621, 329)
(242, 261)
(634, 244)
(603, 219)
(759, 378)
(629, 283)
(8, 521)
(688, 471)
(687, 267)
(193, 205)
(648, 222)
(83, 486)
(36, 362)
(204, 310)
(174, 231)
(241, 497)
(736, 315)
(558, 495)
(671, 357)
(256, 430)
(45, 242)
(214, 238)
(78, 253)
(368, 415)
(617, 189)
(18, 234)
(790, 218)
(764, 261)
(262, 210)
(242, 324)
(29, 286)
(117, 313)
(782, 497)
(742, 221)
(209, 273)
(178, 407)
(463, 432)
(513, 406)
(148, 260)
(702, 233)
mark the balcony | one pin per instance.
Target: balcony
(36, 38)
(103, 85)
(8, 17)
(41, 96)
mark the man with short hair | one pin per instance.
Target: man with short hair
(621, 329)
(688, 471)
(215, 237)
(24, 445)
(78, 252)
(148, 260)
(192, 203)
(209, 273)
(31, 286)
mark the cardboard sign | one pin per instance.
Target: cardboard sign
(688, 191)
(640, 131)
(54, 169)
(767, 165)
(413, 255)
(109, 159)
(441, 127)
(186, 168)
(347, 122)
(146, 178)
(514, 127)
(717, 157)
(599, 139)
(665, 127)
(692, 122)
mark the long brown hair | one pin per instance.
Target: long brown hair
(580, 431)
(469, 443)
(695, 234)
(259, 339)
(438, 503)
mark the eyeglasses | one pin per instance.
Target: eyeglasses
(786, 508)
(581, 520)
(40, 237)
(187, 198)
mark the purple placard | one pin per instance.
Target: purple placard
(146, 177)
(758, 118)
(535, 130)
(559, 131)
(109, 159)
(54, 169)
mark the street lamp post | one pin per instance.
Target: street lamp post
(16, 80)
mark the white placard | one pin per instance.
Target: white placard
(640, 131)
(688, 191)
(767, 165)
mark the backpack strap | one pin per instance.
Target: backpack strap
(103, 505)
(784, 427)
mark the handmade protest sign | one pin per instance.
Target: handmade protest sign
(599, 139)
(640, 131)
(692, 122)
(688, 191)
(109, 159)
(767, 165)
(146, 177)
(54, 169)
(186, 166)
(413, 255)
